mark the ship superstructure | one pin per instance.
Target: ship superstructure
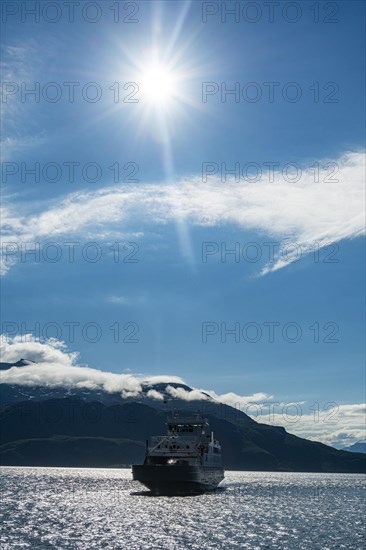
(185, 460)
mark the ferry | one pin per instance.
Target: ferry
(187, 460)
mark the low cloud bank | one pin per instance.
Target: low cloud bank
(54, 366)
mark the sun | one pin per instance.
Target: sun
(162, 83)
(158, 84)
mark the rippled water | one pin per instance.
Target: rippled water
(67, 508)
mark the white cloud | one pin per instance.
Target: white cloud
(186, 395)
(239, 402)
(162, 379)
(153, 394)
(339, 425)
(27, 347)
(56, 367)
(304, 212)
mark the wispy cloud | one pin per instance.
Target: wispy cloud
(305, 212)
(55, 366)
(339, 426)
(119, 300)
(20, 63)
(126, 300)
(239, 401)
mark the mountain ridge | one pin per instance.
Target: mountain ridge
(44, 426)
(358, 447)
(246, 446)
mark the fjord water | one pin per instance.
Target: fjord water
(74, 508)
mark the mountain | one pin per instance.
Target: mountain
(359, 447)
(72, 432)
(44, 426)
(20, 363)
(13, 393)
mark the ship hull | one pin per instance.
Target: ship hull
(177, 479)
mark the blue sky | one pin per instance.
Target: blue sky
(169, 213)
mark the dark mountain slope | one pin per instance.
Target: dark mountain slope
(72, 432)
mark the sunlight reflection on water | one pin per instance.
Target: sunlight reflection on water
(72, 508)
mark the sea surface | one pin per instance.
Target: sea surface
(74, 508)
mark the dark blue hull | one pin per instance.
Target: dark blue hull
(164, 479)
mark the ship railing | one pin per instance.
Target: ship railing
(193, 419)
(182, 441)
(180, 452)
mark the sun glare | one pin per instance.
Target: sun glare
(158, 84)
